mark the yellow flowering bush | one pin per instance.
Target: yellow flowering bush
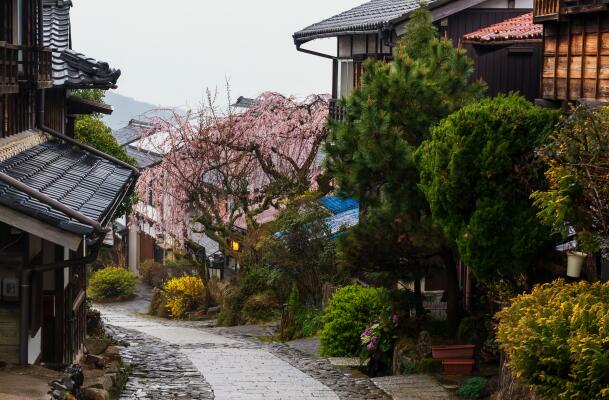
(184, 294)
(557, 339)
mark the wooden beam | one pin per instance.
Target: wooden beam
(38, 228)
(599, 43)
(569, 43)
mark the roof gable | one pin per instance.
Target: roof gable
(367, 17)
(377, 15)
(70, 68)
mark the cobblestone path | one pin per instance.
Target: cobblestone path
(186, 360)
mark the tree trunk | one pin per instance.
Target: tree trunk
(453, 307)
(508, 387)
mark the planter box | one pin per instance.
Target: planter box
(462, 351)
(458, 367)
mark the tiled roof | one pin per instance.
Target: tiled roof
(519, 29)
(340, 223)
(70, 68)
(368, 17)
(143, 158)
(244, 102)
(78, 179)
(130, 133)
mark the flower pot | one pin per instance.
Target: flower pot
(462, 351)
(458, 367)
(575, 261)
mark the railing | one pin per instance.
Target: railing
(337, 112)
(36, 66)
(546, 9)
(9, 71)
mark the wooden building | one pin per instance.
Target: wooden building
(575, 49)
(373, 28)
(56, 195)
(509, 55)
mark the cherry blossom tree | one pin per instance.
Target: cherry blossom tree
(226, 171)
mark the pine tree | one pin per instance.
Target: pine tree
(371, 153)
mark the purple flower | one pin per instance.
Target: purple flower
(372, 344)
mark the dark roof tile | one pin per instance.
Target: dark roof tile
(367, 17)
(72, 69)
(82, 181)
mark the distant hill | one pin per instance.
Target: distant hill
(126, 108)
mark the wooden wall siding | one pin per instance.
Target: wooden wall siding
(6, 21)
(17, 113)
(503, 68)
(54, 109)
(546, 8)
(576, 58)
(350, 46)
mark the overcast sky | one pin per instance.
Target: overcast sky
(170, 51)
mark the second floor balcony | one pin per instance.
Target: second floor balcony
(26, 65)
(555, 10)
(9, 68)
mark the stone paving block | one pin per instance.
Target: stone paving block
(223, 366)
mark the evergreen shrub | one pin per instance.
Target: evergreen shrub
(349, 312)
(557, 339)
(112, 283)
(473, 388)
(183, 295)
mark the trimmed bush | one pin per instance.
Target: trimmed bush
(349, 312)
(260, 307)
(183, 295)
(153, 273)
(112, 283)
(557, 339)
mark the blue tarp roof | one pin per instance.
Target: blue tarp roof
(337, 205)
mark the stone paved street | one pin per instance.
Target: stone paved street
(174, 359)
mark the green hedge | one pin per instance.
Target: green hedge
(112, 283)
(349, 312)
(557, 339)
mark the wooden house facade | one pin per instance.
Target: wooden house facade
(56, 195)
(373, 29)
(575, 49)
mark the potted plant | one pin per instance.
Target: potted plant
(459, 351)
(458, 366)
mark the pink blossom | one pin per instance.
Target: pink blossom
(221, 170)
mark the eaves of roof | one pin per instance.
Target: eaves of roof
(84, 182)
(370, 17)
